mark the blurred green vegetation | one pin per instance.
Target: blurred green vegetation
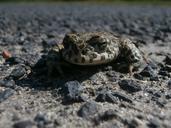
(127, 1)
(87, 0)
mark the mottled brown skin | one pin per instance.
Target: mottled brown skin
(94, 48)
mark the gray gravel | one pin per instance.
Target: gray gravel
(97, 96)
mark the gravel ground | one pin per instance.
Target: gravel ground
(96, 96)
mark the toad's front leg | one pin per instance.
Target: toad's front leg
(132, 55)
(54, 61)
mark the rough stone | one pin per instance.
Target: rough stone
(18, 72)
(42, 119)
(7, 83)
(148, 71)
(88, 110)
(167, 68)
(161, 102)
(154, 123)
(73, 90)
(15, 60)
(169, 84)
(134, 123)
(6, 94)
(106, 97)
(122, 97)
(167, 60)
(129, 86)
(138, 76)
(168, 96)
(24, 124)
(106, 116)
(164, 73)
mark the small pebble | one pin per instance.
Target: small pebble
(133, 123)
(129, 86)
(6, 54)
(88, 110)
(169, 84)
(167, 60)
(6, 94)
(167, 68)
(168, 96)
(148, 71)
(7, 83)
(15, 60)
(161, 102)
(122, 97)
(18, 72)
(73, 90)
(155, 78)
(138, 76)
(24, 124)
(2, 60)
(42, 119)
(105, 116)
(164, 73)
(154, 123)
(106, 97)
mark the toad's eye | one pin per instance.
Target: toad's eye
(97, 40)
(103, 40)
(134, 58)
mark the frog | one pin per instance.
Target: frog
(94, 48)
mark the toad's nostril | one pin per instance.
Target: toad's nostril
(132, 57)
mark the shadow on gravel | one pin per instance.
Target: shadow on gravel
(39, 79)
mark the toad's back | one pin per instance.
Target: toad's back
(92, 48)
